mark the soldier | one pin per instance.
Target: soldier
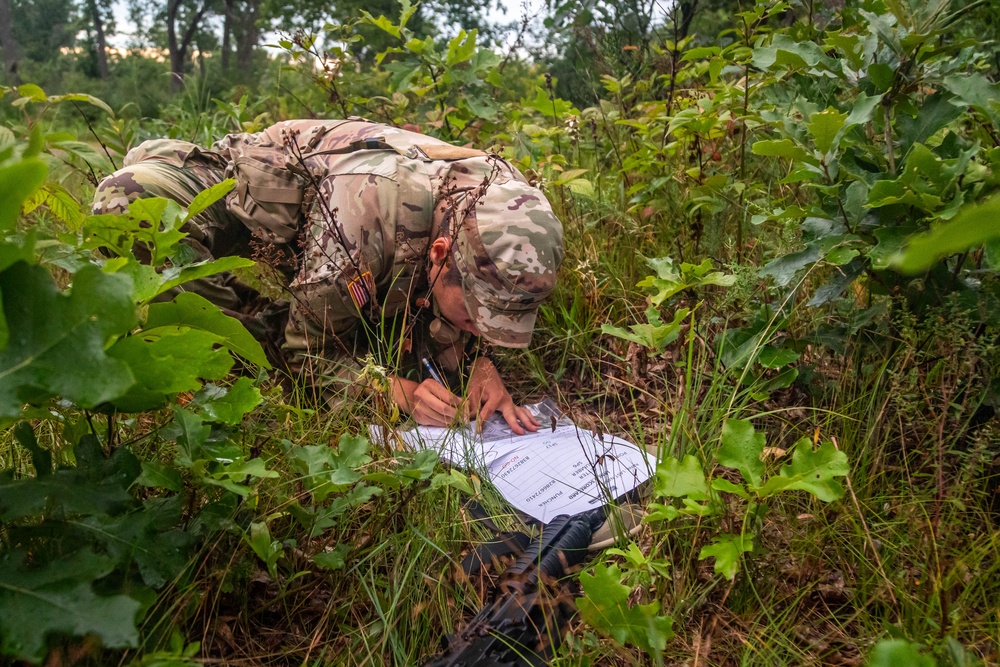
(401, 246)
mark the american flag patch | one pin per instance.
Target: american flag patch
(362, 289)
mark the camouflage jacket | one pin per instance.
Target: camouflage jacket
(356, 202)
(372, 194)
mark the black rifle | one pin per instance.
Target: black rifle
(522, 626)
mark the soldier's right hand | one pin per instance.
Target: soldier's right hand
(429, 402)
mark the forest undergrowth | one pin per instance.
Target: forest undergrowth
(780, 276)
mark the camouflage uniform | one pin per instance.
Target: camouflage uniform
(358, 203)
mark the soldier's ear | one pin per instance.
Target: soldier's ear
(439, 250)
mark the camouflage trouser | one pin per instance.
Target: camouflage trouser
(179, 170)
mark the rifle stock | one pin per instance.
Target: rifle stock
(521, 627)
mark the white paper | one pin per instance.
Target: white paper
(561, 469)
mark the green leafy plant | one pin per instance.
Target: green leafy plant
(81, 547)
(670, 280)
(814, 471)
(875, 144)
(606, 607)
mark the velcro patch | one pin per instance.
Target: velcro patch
(362, 289)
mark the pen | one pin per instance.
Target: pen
(431, 370)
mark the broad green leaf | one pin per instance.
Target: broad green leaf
(190, 309)
(671, 279)
(417, 46)
(240, 470)
(174, 276)
(57, 600)
(741, 449)
(899, 653)
(991, 258)
(166, 361)
(267, 550)
(230, 406)
(209, 196)
(150, 538)
(838, 283)
(421, 467)
(83, 97)
(322, 519)
(678, 479)
(972, 227)
(976, 91)
(881, 76)
(655, 335)
(777, 357)
(553, 108)
(461, 48)
(191, 433)
(64, 492)
(660, 512)
(62, 205)
(226, 483)
(605, 607)
(715, 67)
(33, 92)
(12, 253)
(453, 478)
(352, 450)
(7, 138)
(935, 113)
(157, 475)
(481, 106)
(152, 223)
(403, 72)
(726, 549)
(812, 471)
(582, 187)
(784, 268)
(17, 182)
(57, 342)
(160, 221)
(784, 148)
(407, 10)
(327, 470)
(762, 387)
(333, 560)
(723, 484)
(383, 23)
(700, 52)
(851, 46)
(841, 255)
(890, 192)
(146, 280)
(824, 127)
(862, 111)
(785, 51)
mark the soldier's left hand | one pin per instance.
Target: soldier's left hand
(488, 394)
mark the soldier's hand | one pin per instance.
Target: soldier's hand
(429, 402)
(488, 394)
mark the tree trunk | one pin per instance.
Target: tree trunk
(227, 35)
(178, 46)
(100, 42)
(248, 38)
(687, 9)
(176, 56)
(11, 51)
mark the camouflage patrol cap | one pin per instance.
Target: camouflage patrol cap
(508, 250)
